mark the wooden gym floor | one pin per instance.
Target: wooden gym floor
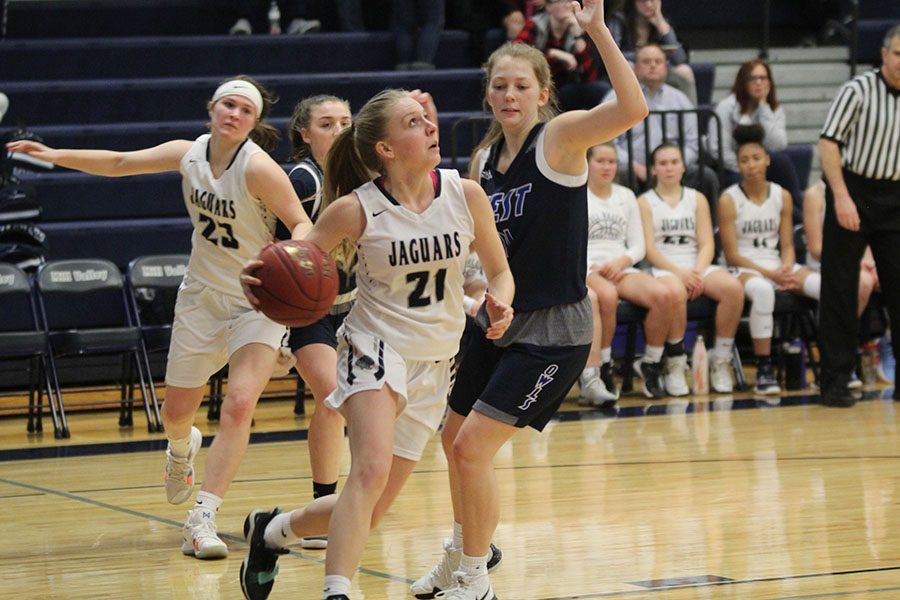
(708, 498)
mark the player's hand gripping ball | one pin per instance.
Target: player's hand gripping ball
(299, 282)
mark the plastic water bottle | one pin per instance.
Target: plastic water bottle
(274, 19)
(700, 367)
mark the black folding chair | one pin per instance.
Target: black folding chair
(152, 283)
(84, 308)
(22, 338)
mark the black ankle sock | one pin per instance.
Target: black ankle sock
(676, 349)
(323, 489)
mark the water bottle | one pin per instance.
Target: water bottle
(700, 367)
(869, 365)
(274, 18)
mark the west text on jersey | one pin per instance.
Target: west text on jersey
(425, 249)
(210, 202)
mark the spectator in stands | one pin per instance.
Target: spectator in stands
(615, 247)
(313, 127)
(753, 101)
(678, 233)
(643, 23)
(757, 235)
(417, 26)
(813, 219)
(234, 193)
(556, 33)
(518, 13)
(255, 13)
(651, 69)
(827, 21)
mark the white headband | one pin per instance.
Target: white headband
(237, 87)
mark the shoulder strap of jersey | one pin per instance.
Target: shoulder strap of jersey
(317, 178)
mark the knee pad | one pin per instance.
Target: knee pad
(762, 302)
(812, 286)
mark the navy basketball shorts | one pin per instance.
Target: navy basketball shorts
(323, 331)
(522, 384)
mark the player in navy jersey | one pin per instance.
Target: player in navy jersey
(314, 126)
(411, 228)
(234, 193)
(534, 169)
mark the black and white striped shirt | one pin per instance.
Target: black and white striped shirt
(865, 120)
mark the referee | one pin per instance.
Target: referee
(860, 151)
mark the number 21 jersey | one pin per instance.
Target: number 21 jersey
(410, 270)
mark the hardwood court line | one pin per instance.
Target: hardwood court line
(648, 592)
(179, 524)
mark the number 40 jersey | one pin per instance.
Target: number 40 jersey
(230, 225)
(410, 270)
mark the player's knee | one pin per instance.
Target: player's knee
(866, 284)
(608, 299)
(761, 295)
(238, 407)
(732, 292)
(371, 474)
(660, 297)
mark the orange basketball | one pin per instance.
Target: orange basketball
(299, 282)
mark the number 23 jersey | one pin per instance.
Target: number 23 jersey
(410, 270)
(230, 225)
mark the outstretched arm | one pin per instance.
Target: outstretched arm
(159, 159)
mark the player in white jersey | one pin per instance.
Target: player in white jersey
(234, 193)
(757, 234)
(680, 247)
(412, 228)
(615, 245)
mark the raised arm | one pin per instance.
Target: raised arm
(570, 134)
(159, 159)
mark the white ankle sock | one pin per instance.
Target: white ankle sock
(457, 535)
(208, 501)
(474, 565)
(605, 355)
(278, 532)
(653, 354)
(723, 347)
(335, 585)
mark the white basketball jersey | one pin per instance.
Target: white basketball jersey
(608, 224)
(230, 225)
(676, 227)
(410, 270)
(757, 226)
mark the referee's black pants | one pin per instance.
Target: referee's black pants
(878, 204)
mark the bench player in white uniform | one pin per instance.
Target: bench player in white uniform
(680, 247)
(615, 245)
(234, 193)
(757, 234)
(413, 227)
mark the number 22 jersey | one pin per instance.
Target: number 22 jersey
(410, 270)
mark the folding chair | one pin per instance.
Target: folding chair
(22, 338)
(152, 282)
(83, 306)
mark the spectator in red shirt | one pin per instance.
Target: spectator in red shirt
(556, 33)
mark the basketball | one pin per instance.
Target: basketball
(299, 282)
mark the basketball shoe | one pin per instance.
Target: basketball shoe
(676, 383)
(317, 542)
(720, 375)
(442, 575)
(593, 390)
(651, 373)
(258, 570)
(199, 537)
(179, 476)
(469, 587)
